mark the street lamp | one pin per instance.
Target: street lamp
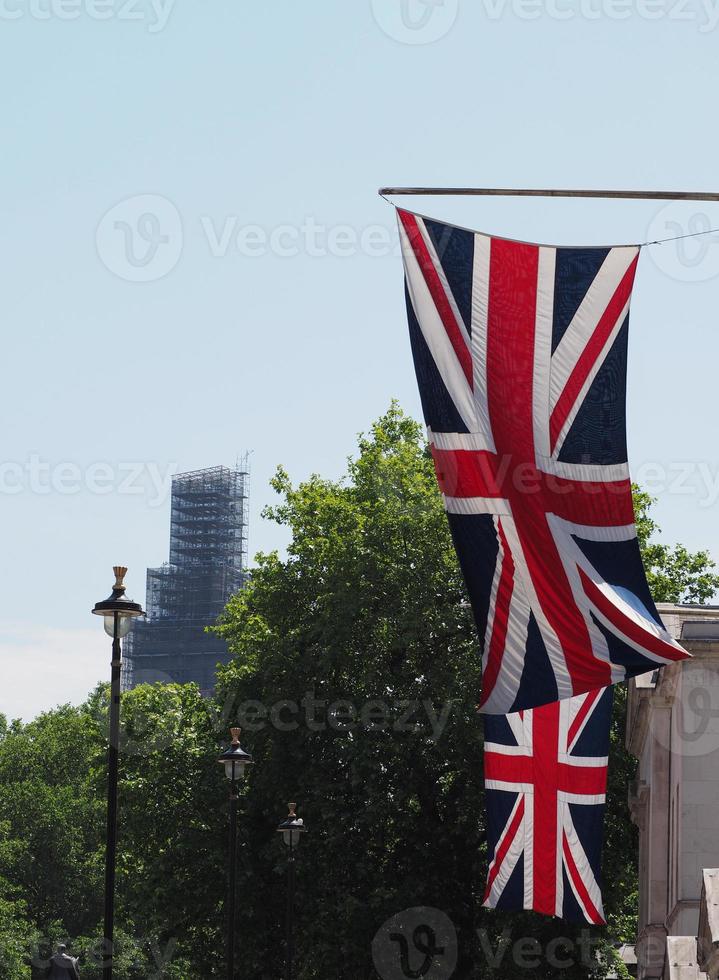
(291, 828)
(234, 759)
(118, 613)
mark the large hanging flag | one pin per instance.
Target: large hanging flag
(520, 353)
(545, 776)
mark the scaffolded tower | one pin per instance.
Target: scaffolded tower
(208, 563)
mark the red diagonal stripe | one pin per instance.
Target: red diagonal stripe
(586, 706)
(438, 294)
(504, 847)
(500, 622)
(578, 883)
(627, 626)
(591, 352)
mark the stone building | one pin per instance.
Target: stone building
(673, 730)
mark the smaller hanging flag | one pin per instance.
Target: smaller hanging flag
(545, 775)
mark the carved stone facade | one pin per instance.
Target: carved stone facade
(673, 730)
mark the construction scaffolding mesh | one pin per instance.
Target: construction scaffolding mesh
(208, 564)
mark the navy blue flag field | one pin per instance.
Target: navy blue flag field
(545, 776)
(520, 353)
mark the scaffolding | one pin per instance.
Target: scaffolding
(207, 564)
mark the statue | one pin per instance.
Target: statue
(63, 966)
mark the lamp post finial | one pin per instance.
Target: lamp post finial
(120, 573)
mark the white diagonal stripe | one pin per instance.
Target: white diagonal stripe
(551, 640)
(589, 380)
(439, 269)
(584, 868)
(515, 640)
(586, 319)
(435, 335)
(510, 860)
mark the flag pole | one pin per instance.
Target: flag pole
(545, 192)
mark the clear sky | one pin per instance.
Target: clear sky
(195, 261)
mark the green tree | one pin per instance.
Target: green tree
(52, 815)
(17, 935)
(674, 573)
(365, 617)
(171, 835)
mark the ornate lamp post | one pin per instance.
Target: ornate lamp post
(291, 828)
(234, 759)
(118, 613)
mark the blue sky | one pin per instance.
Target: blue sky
(196, 261)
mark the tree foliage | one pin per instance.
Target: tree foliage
(52, 834)
(674, 573)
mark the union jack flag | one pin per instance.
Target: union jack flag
(545, 775)
(520, 353)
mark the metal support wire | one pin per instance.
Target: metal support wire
(537, 192)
